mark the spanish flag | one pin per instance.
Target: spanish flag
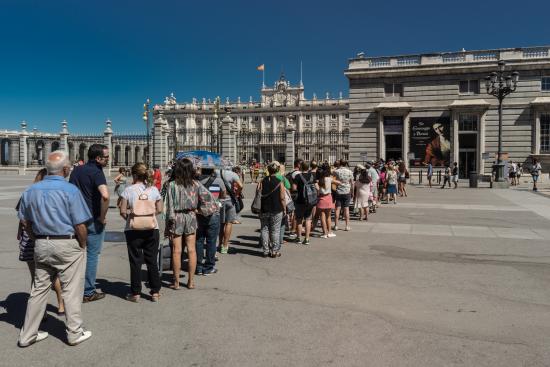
(261, 67)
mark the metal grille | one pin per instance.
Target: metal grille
(545, 133)
(322, 146)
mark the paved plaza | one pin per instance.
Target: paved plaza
(443, 278)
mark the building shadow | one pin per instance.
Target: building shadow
(14, 309)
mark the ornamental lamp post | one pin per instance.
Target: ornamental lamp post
(147, 122)
(499, 85)
(216, 118)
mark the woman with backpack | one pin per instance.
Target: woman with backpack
(273, 207)
(139, 206)
(185, 196)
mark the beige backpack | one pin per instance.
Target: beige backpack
(142, 213)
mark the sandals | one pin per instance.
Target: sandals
(174, 286)
(155, 297)
(133, 297)
(190, 286)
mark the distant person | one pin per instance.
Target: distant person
(91, 181)
(391, 182)
(536, 169)
(363, 194)
(54, 214)
(157, 177)
(228, 213)
(343, 192)
(272, 211)
(120, 184)
(454, 172)
(446, 176)
(430, 173)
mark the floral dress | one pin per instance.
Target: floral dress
(182, 203)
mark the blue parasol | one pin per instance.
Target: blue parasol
(205, 158)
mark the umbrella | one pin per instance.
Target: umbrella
(204, 158)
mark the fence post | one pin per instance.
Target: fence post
(438, 177)
(290, 150)
(420, 177)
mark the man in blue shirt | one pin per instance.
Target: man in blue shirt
(89, 178)
(55, 215)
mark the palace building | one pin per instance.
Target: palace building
(435, 107)
(281, 125)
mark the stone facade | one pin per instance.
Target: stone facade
(394, 101)
(24, 149)
(243, 131)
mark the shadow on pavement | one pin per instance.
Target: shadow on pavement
(117, 289)
(112, 236)
(15, 306)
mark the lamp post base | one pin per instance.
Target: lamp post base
(500, 181)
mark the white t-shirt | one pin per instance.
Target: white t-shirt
(131, 193)
(230, 177)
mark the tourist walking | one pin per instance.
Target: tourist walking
(307, 189)
(185, 196)
(363, 194)
(91, 181)
(403, 175)
(446, 176)
(512, 171)
(120, 184)
(228, 212)
(209, 225)
(26, 251)
(454, 177)
(272, 211)
(391, 180)
(325, 204)
(536, 169)
(139, 206)
(343, 192)
(430, 173)
(157, 177)
(54, 214)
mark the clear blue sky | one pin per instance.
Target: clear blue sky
(85, 61)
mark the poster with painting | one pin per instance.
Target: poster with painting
(430, 141)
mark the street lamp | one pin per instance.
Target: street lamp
(147, 122)
(499, 85)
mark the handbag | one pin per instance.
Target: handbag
(289, 203)
(256, 207)
(142, 213)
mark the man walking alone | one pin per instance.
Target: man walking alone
(55, 214)
(89, 178)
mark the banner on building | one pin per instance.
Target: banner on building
(430, 141)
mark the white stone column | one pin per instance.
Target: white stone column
(454, 149)
(536, 145)
(23, 153)
(63, 137)
(381, 140)
(108, 141)
(481, 142)
(159, 142)
(406, 140)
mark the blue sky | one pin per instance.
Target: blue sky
(85, 61)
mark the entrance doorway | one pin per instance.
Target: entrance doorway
(467, 154)
(393, 137)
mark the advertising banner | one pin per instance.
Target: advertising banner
(430, 141)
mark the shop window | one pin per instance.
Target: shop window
(545, 84)
(468, 87)
(393, 90)
(545, 133)
(467, 122)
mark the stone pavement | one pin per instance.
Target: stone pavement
(443, 278)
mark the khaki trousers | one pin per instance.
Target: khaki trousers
(66, 259)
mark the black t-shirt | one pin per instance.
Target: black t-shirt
(455, 171)
(88, 178)
(308, 177)
(271, 202)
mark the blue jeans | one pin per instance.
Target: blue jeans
(207, 235)
(94, 242)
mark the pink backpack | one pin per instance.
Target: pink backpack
(142, 213)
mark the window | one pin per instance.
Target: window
(545, 84)
(268, 118)
(467, 122)
(545, 133)
(320, 117)
(468, 87)
(308, 117)
(393, 90)
(347, 116)
(245, 118)
(256, 118)
(333, 117)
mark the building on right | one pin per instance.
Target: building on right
(435, 108)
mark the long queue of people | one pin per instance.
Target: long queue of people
(291, 205)
(62, 224)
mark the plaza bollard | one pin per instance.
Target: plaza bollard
(420, 177)
(439, 177)
(473, 179)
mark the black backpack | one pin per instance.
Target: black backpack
(311, 196)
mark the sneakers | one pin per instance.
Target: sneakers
(331, 234)
(335, 228)
(297, 240)
(224, 250)
(213, 271)
(324, 236)
(85, 336)
(348, 228)
(305, 242)
(41, 335)
(96, 296)
(292, 236)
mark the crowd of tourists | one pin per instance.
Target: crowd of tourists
(62, 223)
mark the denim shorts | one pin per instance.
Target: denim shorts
(342, 200)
